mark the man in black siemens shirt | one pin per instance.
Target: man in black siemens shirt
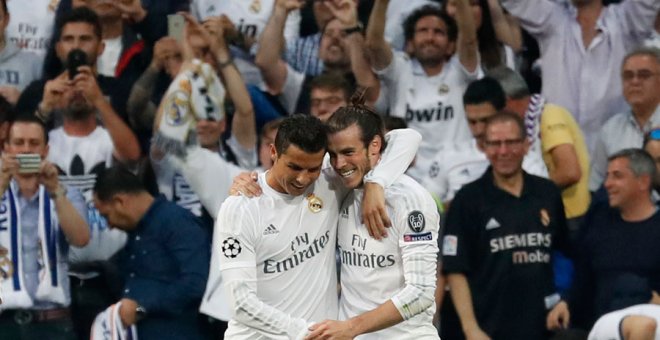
(497, 247)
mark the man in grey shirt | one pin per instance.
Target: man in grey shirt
(640, 75)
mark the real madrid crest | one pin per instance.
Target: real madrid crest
(255, 7)
(175, 108)
(545, 218)
(443, 89)
(314, 203)
(6, 266)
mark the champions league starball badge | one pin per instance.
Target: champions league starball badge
(231, 247)
(416, 221)
(314, 204)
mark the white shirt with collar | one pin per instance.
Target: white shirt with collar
(620, 132)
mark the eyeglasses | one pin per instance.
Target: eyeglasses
(509, 143)
(639, 74)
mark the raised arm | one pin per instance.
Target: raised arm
(467, 45)
(346, 12)
(243, 123)
(126, 147)
(378, 50)
(269, 55)
(507, 29)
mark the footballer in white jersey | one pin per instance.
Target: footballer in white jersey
(388, 285)
(292, 240)
(373, 272)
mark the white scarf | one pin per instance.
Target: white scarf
(52, 269)
(195, 94)
(108, 326)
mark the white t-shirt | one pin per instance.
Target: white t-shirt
(457, 164)
(107, 62)
(288, 243)
(431, 105)
(375, 271)
(176, 188)
(250, 17)
(31, 24)
(608, 326)
(80, 160)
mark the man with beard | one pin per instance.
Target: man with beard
(426, 89)
(340, 50)
(78, 29)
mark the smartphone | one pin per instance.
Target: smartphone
(28, 163)
(175, 24)
(75, 59)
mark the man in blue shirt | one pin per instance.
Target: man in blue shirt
(39, 219)
(165, 262)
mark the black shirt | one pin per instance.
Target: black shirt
(618, 263)
(503, 245)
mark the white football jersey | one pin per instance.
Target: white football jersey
(431, 105)
(457, 164)
(375, 271)
(31, 24)
(291, 242)
(249, 17)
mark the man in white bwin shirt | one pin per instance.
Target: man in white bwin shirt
(387, 285)
(276, 252)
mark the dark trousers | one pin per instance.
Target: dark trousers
(16, 328)
(88, 298)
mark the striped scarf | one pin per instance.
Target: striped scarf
(52, 262)
(108, 326)
(195, 94)
(533, 117)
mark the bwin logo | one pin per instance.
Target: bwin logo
(427, 115)
(416, 221)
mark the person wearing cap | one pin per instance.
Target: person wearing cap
(618, 260)
(640, 75)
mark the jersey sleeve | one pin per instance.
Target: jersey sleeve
(536, 17)
(394, 80)
(555, 128)
(458, 239)
(402, 145)
(417, 221)
(209, 176)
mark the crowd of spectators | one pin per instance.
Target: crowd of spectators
(540, 125)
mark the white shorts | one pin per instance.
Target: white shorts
(608, 326)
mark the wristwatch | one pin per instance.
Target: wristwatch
(60, 192)
(355, 29)
(140, 312)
